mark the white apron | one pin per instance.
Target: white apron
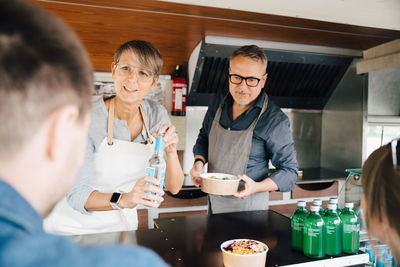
(117, 168)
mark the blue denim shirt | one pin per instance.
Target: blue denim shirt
(24, 243)
(272, 139)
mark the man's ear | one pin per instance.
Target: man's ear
(264, 79)
(113, 70)
(61, 122)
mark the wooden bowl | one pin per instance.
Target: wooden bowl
(238, 260)
(219, 183)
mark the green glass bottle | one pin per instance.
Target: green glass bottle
(297, 224)
(318, 202)
(351, 229)
(313, 238)
(336, 202)
(332, 231)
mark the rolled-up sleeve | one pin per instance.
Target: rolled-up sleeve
(280, 145)
(81, 190)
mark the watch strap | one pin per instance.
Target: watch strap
(199, 159)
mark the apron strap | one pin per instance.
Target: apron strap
(219, 111)
(110, 123)
(146, 126)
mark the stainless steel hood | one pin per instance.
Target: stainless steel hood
(299, 76)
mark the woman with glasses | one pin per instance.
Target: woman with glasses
(241, 132)
(112, 181)
(381, 199)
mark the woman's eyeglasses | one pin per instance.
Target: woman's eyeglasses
(395, 147)
(142, 75)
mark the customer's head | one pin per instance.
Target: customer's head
(136, 69)
(46, 81)
(381, 200)
(248, 62)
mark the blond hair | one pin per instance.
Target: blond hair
(147, 55)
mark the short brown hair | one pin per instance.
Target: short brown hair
(43, 67)
(145, 53)
(381, 185)
(251, 51)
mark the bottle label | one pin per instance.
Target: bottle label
(331, 229)
(178, 99)
(298, 226)
(349, 228)
(313, 232)
(150, 171)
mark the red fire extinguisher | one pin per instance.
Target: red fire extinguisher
(179, 88)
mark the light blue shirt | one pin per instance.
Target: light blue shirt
(24, 243)
(156, 116)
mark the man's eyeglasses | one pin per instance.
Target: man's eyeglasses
(127, 70)
(395, 146)
(237, 79)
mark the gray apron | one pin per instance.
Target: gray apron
(228, 152)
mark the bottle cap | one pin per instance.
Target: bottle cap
(332, 206)
(317, 202)
(314, 208)
(301, 203)
(349, 205)
(333, 200)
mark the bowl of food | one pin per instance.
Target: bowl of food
(244, 252)
(219, 183)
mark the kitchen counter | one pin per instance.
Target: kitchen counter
(195, 240)
(320, 175)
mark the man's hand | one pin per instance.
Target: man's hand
(197, 169)
(250, 187)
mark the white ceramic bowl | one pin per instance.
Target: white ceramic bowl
(214, 183)
(238, 260)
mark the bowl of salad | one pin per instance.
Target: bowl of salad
(219, 183)
(244, 252)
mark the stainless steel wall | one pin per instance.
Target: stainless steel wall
(384, 92)
(343, 120)
(306, 132)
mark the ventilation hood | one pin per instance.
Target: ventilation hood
(299, 76)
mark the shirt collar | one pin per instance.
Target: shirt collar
(15, 208)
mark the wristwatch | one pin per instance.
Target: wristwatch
(199, 159)
(115, 200)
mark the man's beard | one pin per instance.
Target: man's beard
(244, 103)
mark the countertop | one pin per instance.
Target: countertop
(195, 240)
(321, 175)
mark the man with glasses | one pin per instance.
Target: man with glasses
(241, 132)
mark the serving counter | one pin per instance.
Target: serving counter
(195, 240)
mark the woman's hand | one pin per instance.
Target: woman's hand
(197, 169)
(170, 138)
(250, 187)
(139, 194)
